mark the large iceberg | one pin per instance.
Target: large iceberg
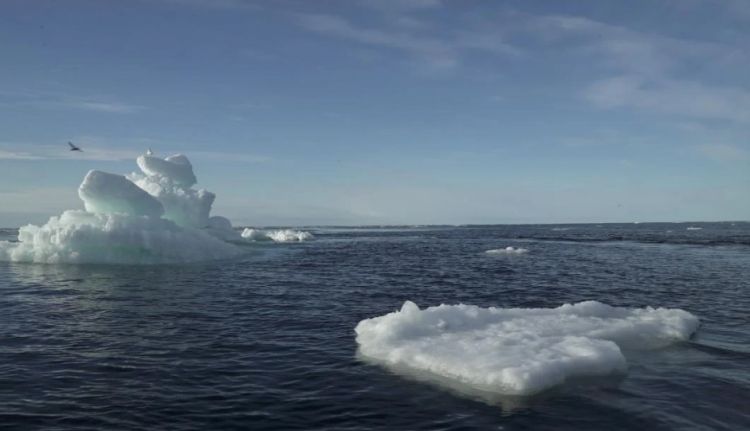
(517, 351)
(146, 218)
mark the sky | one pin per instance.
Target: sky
(386, 112)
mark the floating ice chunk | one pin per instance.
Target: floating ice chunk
(507, 250)
(182, 205)
(277, 235)
(176, 168)
(84, 237)
(102, 192)
(517, 351)
(288, 235)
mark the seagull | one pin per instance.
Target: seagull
(73, 147)
(149, 152)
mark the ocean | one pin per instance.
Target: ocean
(267, 341)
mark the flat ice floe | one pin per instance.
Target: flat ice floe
(517, 351)
(508, 250)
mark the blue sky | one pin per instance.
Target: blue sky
(392, 111)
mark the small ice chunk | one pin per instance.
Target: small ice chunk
(276, 235)
(517, 351)
(107, 193)
(507, 250)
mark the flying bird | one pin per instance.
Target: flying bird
(73, 147)
(149, 152)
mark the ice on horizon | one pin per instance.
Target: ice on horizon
(276, 235)
(517, 351)
(151, 217)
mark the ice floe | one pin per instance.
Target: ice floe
(517, 351)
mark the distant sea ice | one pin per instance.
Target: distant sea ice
(507, 250)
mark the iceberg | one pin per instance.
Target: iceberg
(151, 217)
(118, 238)
(517, 351)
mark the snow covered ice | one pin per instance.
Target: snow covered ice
(517, 351)
(151, 217)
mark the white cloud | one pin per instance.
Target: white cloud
(671, 96)
(651, 72)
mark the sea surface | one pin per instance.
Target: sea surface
(267, 341)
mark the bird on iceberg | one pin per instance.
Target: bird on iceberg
(73, 147)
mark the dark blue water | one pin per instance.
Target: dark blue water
(267, 342)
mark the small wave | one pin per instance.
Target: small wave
(508, 250)
(694, 228)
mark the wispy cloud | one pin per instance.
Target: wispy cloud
(26, 151)
(436, 52)
(404, 32)
(104, 149)
(216, 4)
(67, 102)
(401, 5)
(671, 96)
(723, 152)
(651, 72)
(18, 155)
